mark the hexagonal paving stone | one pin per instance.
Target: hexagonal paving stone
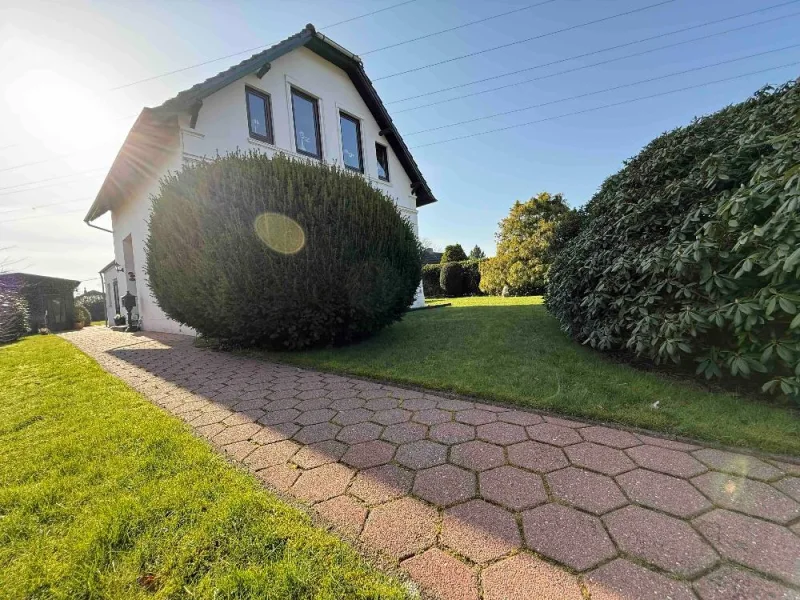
(419, 404)
(286, 415)
(512, 487)
(238, 433)
(452, 433)
(589, 491)
(607, 436)
(475, 416)
(501, 433)
(442, 575)
(665, 443)
(421, 454)
(281, 477)
(322, 483)
(663, 492)
(351, 417)
(660, 540)
(624, 580)
(392, 416)
(401, 527)
(556, 435)
(566, 535)
(525, 577)
(599, 458)
(369, 454)
(518, 417)
(381, 484)
(403, 433)
(315, 404)
(565, 422)
(319, 454)
(240, 450)
(431, 416)
(270, 455)
(444, 485)
(313, 417)
(762, 546)
(537, 457)
(344, 513)
(729, 583)
(664, 460)
(347, 403)
(748, 496)
(789, 486)
(737, 464)
(380, 404)
(454, 404)
(477, 456)
(360, 432)
(480, 531)
(320, 432)
(275, 433)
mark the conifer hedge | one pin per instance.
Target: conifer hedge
(279, 253)
(692, 250)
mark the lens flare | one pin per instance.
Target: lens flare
(280, 233)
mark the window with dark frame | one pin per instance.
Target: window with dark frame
(259, 115)
(382, 153)
(305, 111)
(352, 156)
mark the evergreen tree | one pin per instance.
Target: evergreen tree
(453, 253)
(476, 252)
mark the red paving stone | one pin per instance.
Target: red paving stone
(536, 456)
(663, 492)
(444, 485)
(512, 487)
(477, 455)
(664, 460)
(480, 531)
(730, 583)
(443, 575)
(765, 547)
(595, 457)
(666, 542)
(401, 528)
(747, 496)
(567, 535)
(525, 577)
(477, 465)
(592, 492)
(624, 580)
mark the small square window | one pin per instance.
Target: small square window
(259, 115)
(305, 110)
(351, 143)
(382, 153)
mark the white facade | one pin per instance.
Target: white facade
(222, 126)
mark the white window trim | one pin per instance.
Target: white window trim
(291, 82)
(361, 121)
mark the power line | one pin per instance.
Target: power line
(530, 39)
(19, 208)
(607, 49)
(17, 144)
(457, 27)
(611, 89)
(604, 106)
(253, 49)
(66, 212)
(60, 177)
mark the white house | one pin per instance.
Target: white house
(306, 97)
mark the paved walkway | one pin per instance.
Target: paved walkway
(478, 501)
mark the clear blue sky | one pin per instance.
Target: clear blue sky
(88, 47)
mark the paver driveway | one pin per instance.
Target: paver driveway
(479, 501)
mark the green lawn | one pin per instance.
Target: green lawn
(511, 350)
(103, 495)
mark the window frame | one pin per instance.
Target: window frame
(317, 122)
(349, 117)
(378, 162)
(270, 137)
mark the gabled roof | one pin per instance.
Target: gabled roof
(191, 99)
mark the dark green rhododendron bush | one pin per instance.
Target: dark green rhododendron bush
(692, 250)
(279, 253)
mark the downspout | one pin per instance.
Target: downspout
(97, 227)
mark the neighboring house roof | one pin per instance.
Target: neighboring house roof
(31, 278)
(129, 163)
(429, 257)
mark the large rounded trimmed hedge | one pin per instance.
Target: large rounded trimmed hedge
(279, 253)
(692, 250)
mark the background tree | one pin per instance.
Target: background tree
(94, 301)
(453, 253)
(523, 246)
(477, 253)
